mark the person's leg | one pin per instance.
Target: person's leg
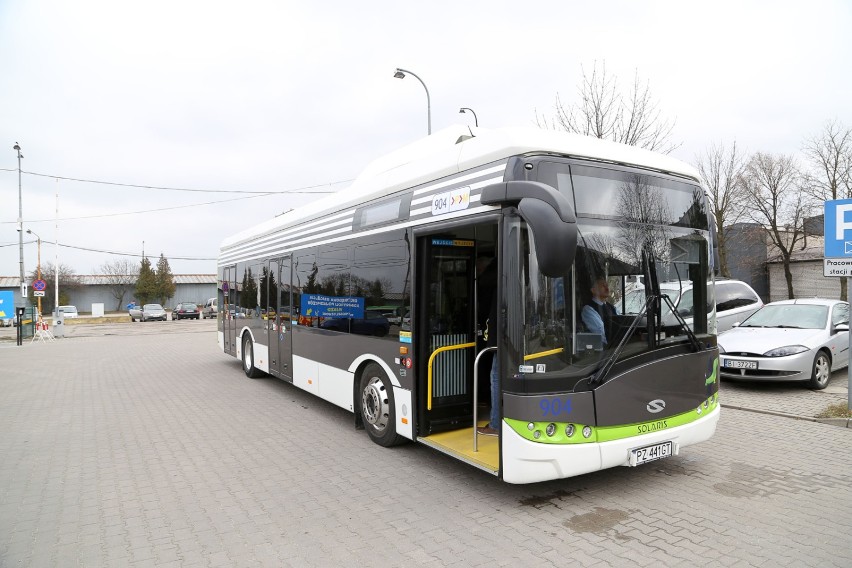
(495, 394)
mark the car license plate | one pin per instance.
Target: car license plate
(737, 364)
(650, 453)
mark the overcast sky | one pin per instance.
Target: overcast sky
(282, 96)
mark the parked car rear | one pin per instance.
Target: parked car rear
(210, 309)
(153, 312)
(185, 310)
(69, 311)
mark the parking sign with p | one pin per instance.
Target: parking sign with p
(838, 228)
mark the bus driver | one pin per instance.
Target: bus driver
(598, 314)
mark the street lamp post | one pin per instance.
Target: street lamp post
(38, 238)
(475, 120)
(17, 147)
(400, 74)
(56, 255)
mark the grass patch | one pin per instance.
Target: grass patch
(835, 411)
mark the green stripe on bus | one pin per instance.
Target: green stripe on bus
(608, 433)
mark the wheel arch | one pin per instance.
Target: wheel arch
(357, 367)
(242, 335)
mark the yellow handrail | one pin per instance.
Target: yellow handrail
(431, 359)
(543, 354)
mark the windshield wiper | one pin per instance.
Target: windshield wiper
(787, 326)
(602, 372)
(696, 345)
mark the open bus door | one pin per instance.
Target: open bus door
(447, 342)
(227, 291)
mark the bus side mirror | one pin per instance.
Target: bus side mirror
(550, 217)
(555, 240)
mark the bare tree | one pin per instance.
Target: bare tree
(830, 177)
(775, 200)
(830, 155)
(120, 276)
(604, 111)
(722, 171)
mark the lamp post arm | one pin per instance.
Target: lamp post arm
(428, 99)
(475, 119)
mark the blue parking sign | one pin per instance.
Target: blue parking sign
(838, 228)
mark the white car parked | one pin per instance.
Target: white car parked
(790, 340)
(69, 311)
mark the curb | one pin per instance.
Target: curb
(842, 422)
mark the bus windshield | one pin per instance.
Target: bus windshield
(633, 265)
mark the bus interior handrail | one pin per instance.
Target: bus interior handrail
(476, 395)
(432, 360)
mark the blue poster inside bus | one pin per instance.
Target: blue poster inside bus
(322, 306)
(7, 305)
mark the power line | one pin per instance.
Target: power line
(133, 254)
(137, 211)
(117, 253)
(305, 189)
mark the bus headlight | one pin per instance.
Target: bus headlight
(569, 430)
(531, 426)
(550, 430)
(537, 434)
(587, 431)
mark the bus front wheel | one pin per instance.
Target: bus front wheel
(377, 407)
(251, 371)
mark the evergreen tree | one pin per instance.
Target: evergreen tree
(248, 291)
(146, 284)
(165, 281)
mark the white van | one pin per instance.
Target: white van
(735, 301)
(210, 309)
(69, 311)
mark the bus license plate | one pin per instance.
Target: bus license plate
(737, 364)
(650, 453)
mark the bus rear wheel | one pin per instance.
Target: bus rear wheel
(377, 407)
(250, 370)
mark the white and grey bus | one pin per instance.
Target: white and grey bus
(371, 300)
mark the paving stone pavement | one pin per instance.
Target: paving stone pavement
(785, 398)
(155, 450)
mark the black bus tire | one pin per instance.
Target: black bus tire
(250, 370)
(377, 406)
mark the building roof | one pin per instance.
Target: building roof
(809, 254)
(103, 280)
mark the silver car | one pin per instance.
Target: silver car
(790, 340)
(153, 312)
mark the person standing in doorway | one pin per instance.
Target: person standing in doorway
(486, 269)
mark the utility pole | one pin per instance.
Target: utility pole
(17, 148)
